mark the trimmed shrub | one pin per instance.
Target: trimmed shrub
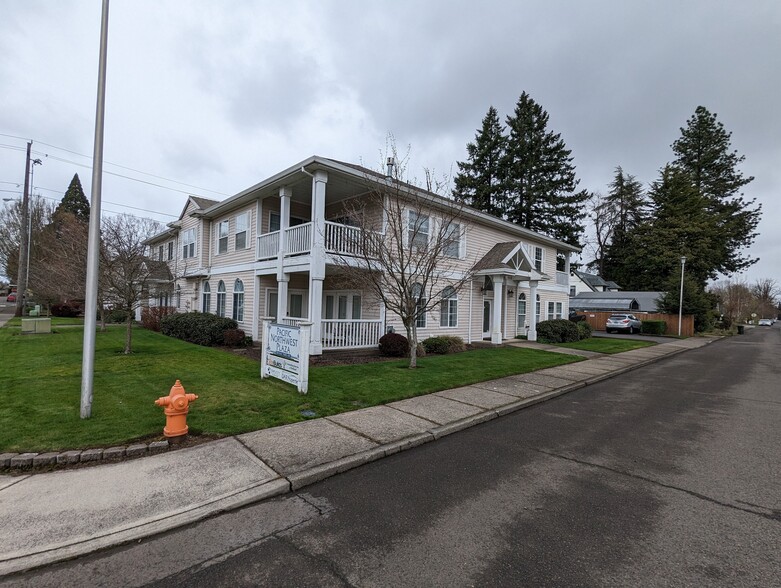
(234, 338)
(444, 344)
(557, 331)
(64, 310)
(394, 345)
(117, 315)
(151, 316)
(653, 327)
(584, 330)
(201, 328)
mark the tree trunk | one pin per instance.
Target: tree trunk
(129, 334)
(102, 319)
(413, 355)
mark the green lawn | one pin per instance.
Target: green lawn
(607, 345)
(40, 380)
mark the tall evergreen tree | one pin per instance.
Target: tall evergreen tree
(74, 201)
(479, 180)
(539, 177)
(625, 208)
(704, 151)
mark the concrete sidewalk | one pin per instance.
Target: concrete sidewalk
(58, 515)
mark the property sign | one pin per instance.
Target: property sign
(286, 354)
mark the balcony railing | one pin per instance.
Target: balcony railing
(339, 239)
(562, 279)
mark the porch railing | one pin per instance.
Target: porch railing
(299, 239)
(339, 239)
(351, 334)
(268, 245)
(344, 333)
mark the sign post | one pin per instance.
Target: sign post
(286, 354)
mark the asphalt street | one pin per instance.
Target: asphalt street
(664, 476)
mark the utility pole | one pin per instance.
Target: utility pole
(93, 241)
(24, 241)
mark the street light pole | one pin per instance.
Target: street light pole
(680, 300)
(93, 241)
(24, 240)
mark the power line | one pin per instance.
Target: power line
(110, 163)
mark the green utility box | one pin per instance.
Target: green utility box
(32, 326)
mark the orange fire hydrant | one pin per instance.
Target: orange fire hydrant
(177, 405)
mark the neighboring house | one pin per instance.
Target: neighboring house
(616, 301)
(585, 282)
(271, 251)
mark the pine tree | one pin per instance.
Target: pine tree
(704, 151)
(539, 177)
(627, 208)
(479, 181)
(74, 201)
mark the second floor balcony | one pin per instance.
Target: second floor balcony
(338, 239)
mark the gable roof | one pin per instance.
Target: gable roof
(641, 301)
(594, 281)
(509, 259)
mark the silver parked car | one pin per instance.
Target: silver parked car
(623, 323)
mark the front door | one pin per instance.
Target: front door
(487, 314)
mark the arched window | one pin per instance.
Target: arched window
(520, 328)
(449, 312)
(178, 296)
(420, 305)
(221, 298)
(206, 296)
(238, 300)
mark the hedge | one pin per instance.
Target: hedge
(394, 345)
(201, 328)
(557, 331)
(653, 327)
(444, 344)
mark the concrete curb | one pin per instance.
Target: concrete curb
(16, 562)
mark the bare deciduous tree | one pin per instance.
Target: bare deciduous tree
(128, 277)
(408, 241)
(766, 292)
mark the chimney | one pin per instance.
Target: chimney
(391, 165)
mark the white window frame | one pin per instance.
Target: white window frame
(420, 321)
(170, 250)
(539, 263)
(538, 308)
(242, 227)
(416, 235)
(188, 243)
(206, 297)
(520, 317)
(238, 301)
(160, 250)
(351, 309)
(448, 317)
(294, 221)
(453, 227)
(221, 299)
(223, 230)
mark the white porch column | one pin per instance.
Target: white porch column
(496, 330)
(317, 266)
(282, 285)
(532, 314)
(256, 311)
(284, 222)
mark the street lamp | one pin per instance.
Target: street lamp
(680, 300)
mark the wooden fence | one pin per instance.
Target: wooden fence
(597, 321)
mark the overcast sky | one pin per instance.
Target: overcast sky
(220, 95)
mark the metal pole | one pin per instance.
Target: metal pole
(680, 300)
(93, 243)
(24, 238)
